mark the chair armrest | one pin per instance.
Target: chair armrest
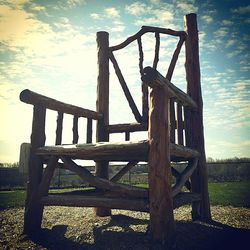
(33, 98)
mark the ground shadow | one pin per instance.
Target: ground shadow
(123, 232)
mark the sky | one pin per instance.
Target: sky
(50, 47)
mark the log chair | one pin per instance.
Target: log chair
(167, 114)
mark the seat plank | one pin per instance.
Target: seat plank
(115, 151)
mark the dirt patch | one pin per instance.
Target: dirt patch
(78, 228)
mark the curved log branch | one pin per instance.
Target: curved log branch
(146, 29)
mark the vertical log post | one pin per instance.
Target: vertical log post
(102, 105)
(179, 124)
(33, 210)
(89, 130)
(162, 225)
(194, 120)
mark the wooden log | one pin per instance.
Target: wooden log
(127, 136)
(104, 184)
(123, 151)
(162, 226)
(89, 130)
(47, 177)
(34, 211)
(24, 158)
(179, 124)
(59, 128)
(92, 201)
(125, 89)
(127, 127)
(185, 175)
(102, 105)
(144, 86)
(174, 58)
(146, 29)
(31, 97)
(123, 171)
(172, 121)
(194, 120)
(157, 49)
(185, 198)
(75, 130)
(141, 56)
(177, 175)
(116, 203)
(154, 79)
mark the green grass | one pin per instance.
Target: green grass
(12, 199)
(230, 193)
(221, 193)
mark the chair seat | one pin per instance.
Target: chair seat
(115, 151)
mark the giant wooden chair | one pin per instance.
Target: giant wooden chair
(174, 122)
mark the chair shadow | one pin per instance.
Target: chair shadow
(124, 232)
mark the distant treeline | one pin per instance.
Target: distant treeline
(236, 169)
(209, 160)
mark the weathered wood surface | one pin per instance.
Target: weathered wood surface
(127, 127)
(143, 86)
(162, 225)
(75, 130)
(180, 124)
(92, 201)
(174, 58)
(146, 29)
(185, 198)
(59, 128)
(177, 176)
(34, 211)
(104, 184)
(109, 202)
(24, 157)
(132, 150)
(172, 121)
(123, 171)
(157, 49)
(102, 105)
(89, 130)
(194, 120)
(125, 89)
(31, 97)
(154, 79)
(184, 176)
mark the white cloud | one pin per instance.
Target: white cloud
(221, 32)
(230, 43)
(112, 12)
(96, 16)
(207, 19)
(187, 7)
(227, 22)
(242, 10)
(136, 8)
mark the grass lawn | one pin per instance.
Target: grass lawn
(221, 193)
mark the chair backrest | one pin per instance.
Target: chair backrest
(107, 53)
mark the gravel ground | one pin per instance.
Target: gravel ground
(78, 228)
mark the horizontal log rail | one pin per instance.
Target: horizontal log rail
(127, 127)
(124, 151)
(147, 29)
(136, 204)
(154, 79)
(33, 98)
